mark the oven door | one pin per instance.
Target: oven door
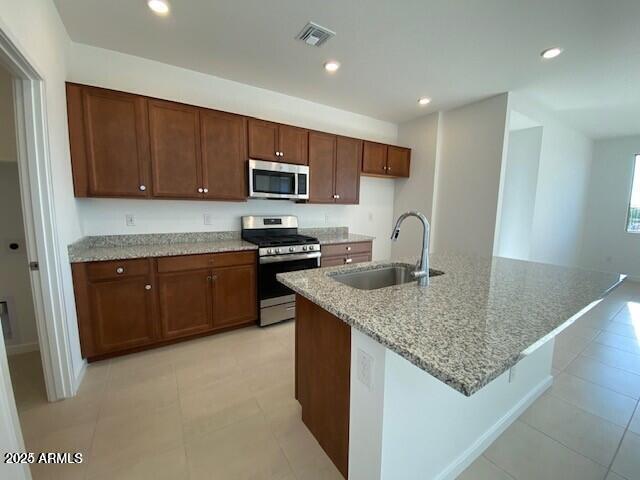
(278, 180)
(268, 286)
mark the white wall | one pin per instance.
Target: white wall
(15, 284)
(468, 177)
(416, 192)
(561, 193)
(95, 66)
(519, 194)
(7, 126)
(34, 25)
(607, 245)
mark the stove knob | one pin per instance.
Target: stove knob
(304, 248)
(312, 247)
(291, 249)
(269, 251)
(277, 250)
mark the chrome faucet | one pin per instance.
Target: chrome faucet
(422, 270)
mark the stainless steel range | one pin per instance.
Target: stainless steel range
(281, 249)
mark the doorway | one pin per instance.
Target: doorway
(17, 307)
(41, 250)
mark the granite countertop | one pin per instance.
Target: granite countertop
(469, 325)
(121, 247)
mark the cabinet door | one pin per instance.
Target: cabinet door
(175, 150)
(293, 143)
(235, 295)
(398, 161)
(263, 140)
(322, 157)
(116, 139)
(122, 314)
(185, 301)
(224, 155)
(374, 158)
(348, 164)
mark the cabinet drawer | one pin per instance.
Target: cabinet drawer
(117, 269)
(345, 248)
(345, 259)
(208, 260)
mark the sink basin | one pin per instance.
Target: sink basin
(380, 277)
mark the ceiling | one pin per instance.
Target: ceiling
(393, 52)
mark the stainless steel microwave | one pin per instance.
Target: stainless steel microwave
(278, 180)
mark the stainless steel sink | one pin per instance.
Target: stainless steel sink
(381, 277)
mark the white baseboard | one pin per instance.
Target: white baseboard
(479, 446)
(79, 377)
(22, 348)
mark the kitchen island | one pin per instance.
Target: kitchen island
(410, 382)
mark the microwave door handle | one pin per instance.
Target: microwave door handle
(295, 184)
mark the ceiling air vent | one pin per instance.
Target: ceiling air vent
(314, 34)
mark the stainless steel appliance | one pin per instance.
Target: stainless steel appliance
(278, 180)
(281, 249)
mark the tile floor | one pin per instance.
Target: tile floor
(222, 408)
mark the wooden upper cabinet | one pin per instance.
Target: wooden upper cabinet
(322, 158)
(348, 165)
(293, 143)
(374, 158)
(224, 155)
(122, 314)
(398, 161)
(235, 295)
(274, 142)
(185, 302)
(109, 142)
(175, 150)
(263, 140)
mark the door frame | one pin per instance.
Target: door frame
(36, 192)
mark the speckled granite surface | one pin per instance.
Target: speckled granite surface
(120, 247)
(469, 325)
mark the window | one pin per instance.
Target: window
(633, 220)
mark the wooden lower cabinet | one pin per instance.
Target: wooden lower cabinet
(235, 295)
(337, 254)
(322, 378)
(128, 305)
(185, 300)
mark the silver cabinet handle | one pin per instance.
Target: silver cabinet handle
(142, 188)
(200, 190)
(206, 190)
(337, 196)
(147, 287)
(119, 270)
(348, 249)
(348, 260)
(209, 278)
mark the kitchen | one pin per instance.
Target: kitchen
(233, 299)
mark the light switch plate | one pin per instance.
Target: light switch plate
(364, 366)
(130, 220)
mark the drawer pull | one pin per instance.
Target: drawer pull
(143, 188)
(120, 270)
(147, 287)
(348, 260)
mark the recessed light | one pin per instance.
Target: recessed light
(550, 53)
(424, 101)
(332, 66)
(161, 7)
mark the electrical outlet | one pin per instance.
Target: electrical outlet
(207, 218)
(130, 220)
(326, 219)
(364, 365)
(371, 216)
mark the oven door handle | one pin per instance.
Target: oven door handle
(289, 257)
